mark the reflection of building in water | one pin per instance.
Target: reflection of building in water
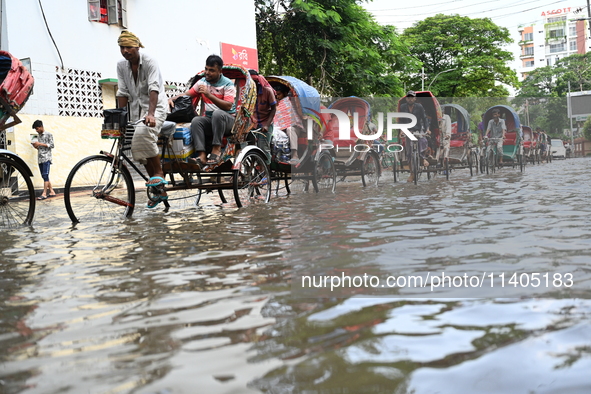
(558, 34)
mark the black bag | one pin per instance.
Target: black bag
(183, 111)
(113, 117)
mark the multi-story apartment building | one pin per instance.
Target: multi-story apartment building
(560, 33)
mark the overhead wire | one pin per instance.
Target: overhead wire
(480, 12)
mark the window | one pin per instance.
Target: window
(573, 45)
(558, 33)
(112, 12)
(557, 47)
(529, 63)
(572, 31)
(557, 19)
(528, 51)
(528, 36)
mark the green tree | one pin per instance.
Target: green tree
(335, 45)
(471, 48)
(540, 82)
(576, 69)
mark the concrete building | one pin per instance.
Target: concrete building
(71, 46)
(557, 35)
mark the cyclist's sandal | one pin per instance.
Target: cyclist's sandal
(161, 181)
(153, 204)
(213, 159)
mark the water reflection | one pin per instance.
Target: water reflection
(202, 298)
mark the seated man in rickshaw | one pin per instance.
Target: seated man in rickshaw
(497, 129)
(286, 123)
(218, 94)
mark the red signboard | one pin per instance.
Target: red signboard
(234, 54)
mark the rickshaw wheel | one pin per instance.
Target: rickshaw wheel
(252, 182)
(415, 167)
(394, 168)
(325, 175)
(370, 170)
(88, 180)
(17, 195)
(473, 163)
(446, 168)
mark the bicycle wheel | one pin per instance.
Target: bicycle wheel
(370, 170)
(17, 195)
(446, 168)
(415, 167)
(521, 162)
(325, 174)
(111, 191)
(395, 167)
(252, 182)
(471, 163)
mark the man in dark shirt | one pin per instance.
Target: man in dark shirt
(412, 107)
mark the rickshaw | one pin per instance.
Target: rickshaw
(315, 164)
(106, 178)
(512, 145)
(434, 154)
(537, 138)
(530, 145)
(354, 156)
(17, 194)
(461, 152)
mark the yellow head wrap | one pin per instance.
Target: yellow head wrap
(128, 39)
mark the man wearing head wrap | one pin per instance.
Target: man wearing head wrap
(140, 86)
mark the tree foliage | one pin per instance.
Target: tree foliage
(548, 86)
(335, 45)
(462, 56)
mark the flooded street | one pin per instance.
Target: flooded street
(209, 299)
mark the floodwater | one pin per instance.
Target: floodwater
(202, 300)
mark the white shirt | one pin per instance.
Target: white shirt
(138, 95)
(445, 125)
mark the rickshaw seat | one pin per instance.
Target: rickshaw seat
(510, 138)
(456, 143)
(528, 144)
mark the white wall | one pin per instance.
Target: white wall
(180, 34)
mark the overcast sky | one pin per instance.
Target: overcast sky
(506, 13)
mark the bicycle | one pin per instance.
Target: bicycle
(491, 155)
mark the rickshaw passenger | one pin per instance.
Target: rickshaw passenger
(286, 122)
(140, 85)
(412, 107)
(496, 129)
(445, 127)
(265, 107)
(481, 134)
(218, 95)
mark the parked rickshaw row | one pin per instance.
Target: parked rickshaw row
(312, 156)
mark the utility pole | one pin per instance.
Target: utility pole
(589, 16)
(570, 116)
(423, 74)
